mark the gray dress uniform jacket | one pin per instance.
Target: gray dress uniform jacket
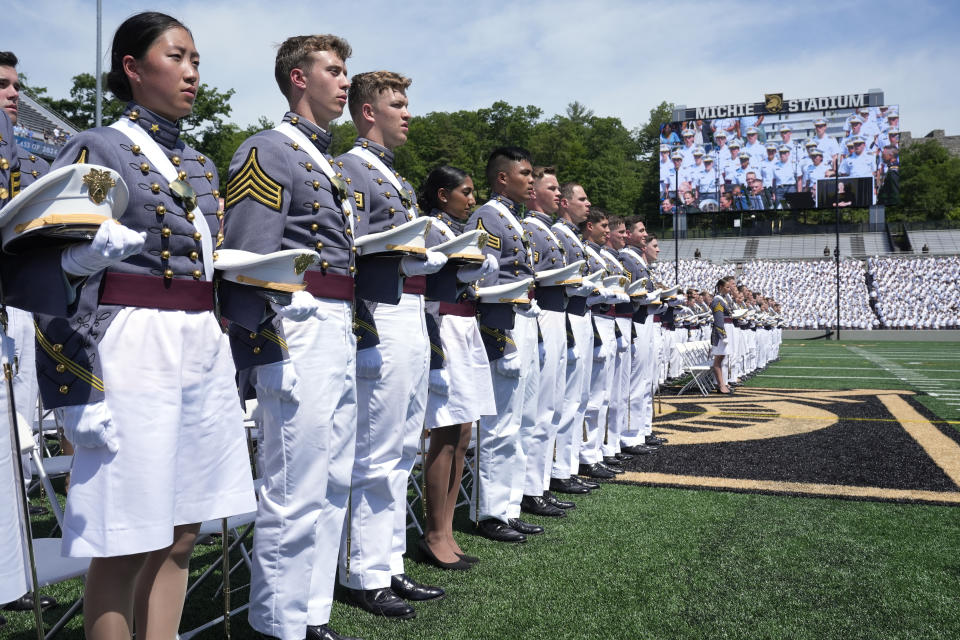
(68, 368)
(277, 199)
(379, 206)
(508, 244)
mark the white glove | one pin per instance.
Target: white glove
(542, 352)
(572, 355)
(509, 365)
(531, 310)
(473, 272)
(113, 243)
(369, 362)
(622, 344)
(581, 290)
(279, 379)
(439, 382)
(599, 353)
(90, 426)
(415, 266)
(302, 306)
(602, 296)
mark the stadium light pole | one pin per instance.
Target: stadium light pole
(836, 251)
(98, 117)
(676, 231)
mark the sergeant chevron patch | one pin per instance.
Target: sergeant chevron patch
(858, 444)
(252, 181)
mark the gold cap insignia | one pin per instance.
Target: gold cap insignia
(302, 262)
(98, 184)
(185, 192)
(340, 186)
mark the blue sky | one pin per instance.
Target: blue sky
(619, 58)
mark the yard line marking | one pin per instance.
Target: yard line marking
(808, 488)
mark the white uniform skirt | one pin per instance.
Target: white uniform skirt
(466, 363)
(182, 457)
(721, 348)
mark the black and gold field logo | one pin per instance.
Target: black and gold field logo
(773, 102)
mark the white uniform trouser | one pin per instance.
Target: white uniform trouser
(528, 412)
(501, 460)
(14, 569)
(601, 380)
(677, 336)
(390, 411)
(733, 363)
(620, 392)
(641, 386)
(305, 404)
(576, 393)
(331, 521)
(539, 447)
(657, 354)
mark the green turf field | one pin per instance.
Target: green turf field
(643, 562)
(932, 369)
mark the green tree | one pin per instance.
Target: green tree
(929, 184)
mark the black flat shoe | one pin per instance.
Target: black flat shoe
(614, 470)
(583, 482)
(537, 506)
(568, 485)
(323, 632)
(557, 502)
(637, 449)
(25, 603)
(499, 531)
(468, 558)
(525, 527)
(459, 565)
(409, 589)
(597, 471)
(381, 602)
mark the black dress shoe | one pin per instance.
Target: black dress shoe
(612, 461)
(38, 511)
(596, 470)
(525, 527)
(25, 603)
(537, 506)
(381, 602)
(583, 482)
(459, 565)
(468, 558)
(323, 632)
(655, 440)
(623, 457)
(557, 502)
(568, 485)
(611, 469)
(637, 449)
(499, 531)
(409, 589)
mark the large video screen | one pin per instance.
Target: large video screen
(781, 155)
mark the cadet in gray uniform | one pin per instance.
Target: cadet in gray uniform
(574, 208)
(284, 193)
(159, 449)
(638, 434)
(510, 333)
(392, 376)
(547, 255)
